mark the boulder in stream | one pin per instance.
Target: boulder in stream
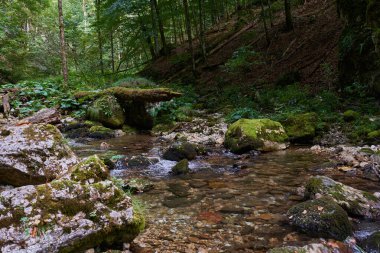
(354, 201)
(255, 134)
(181, 168)
(81, 210)
(321, 217)
(181, 150)
(33, 154)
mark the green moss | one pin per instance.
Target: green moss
(301, 127)
(370, 196)
(181, 167)
(101, 129)
(374, 134)
(314, 186)
(107, 111)
(91, 168)
(350, 115)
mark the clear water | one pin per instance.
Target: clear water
(228, 203)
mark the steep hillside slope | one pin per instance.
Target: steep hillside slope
(309, 52)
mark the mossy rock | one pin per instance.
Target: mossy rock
(129, 130)
(301, 127)
(354, 201)
(321, 218)
(101, 132)
(350, 115)
(107, 111)
(255, 134)
(181, 150)
(92, 169)
(181, 168)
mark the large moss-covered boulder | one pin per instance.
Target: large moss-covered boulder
(301, 127)
(33, 154)
(354, 201)
(321, 218)
(76, 212)
(107, 111)
(255, 134)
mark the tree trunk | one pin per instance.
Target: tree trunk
(63, 45)
(202, 39)
(288, 16)
(160, 27)
(264, 22)
(112, 52)
(189, 36)
(100, 41)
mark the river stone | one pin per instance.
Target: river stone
(70, 214)
(318, 248)
(107, 111)
(255, 134)
(179, 151)
(372, 243)
(321, 217)
(181, 168)
(33, 154)
(354, 201)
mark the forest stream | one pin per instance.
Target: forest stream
(228, 203)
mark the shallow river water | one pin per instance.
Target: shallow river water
(228, 203)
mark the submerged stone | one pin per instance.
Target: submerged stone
(255, 134)
(33, 154)
(321, 217)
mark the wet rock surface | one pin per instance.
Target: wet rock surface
(33, 154)
(356, 202)
(321, 218)
(76, 212)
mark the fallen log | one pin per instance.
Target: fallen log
(134, 95)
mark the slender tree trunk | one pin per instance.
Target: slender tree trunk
(270, 13)
(201, 28)
(189, 36)
(288, 15)
(154, 28)
(112, 52)
(84, 8)
(100, 41)
(264, 22)
(173, 22)
(160, 26)
(63, 44)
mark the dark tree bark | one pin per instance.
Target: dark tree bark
(160, 26)
(188, 31)
(264, 22)
(288, 16)
(63, 44)
(202, 39)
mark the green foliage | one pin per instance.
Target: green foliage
(178, 109)
(241, 113)
(32, 96)
(242, 60)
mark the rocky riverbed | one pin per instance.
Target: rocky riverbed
(214, 201)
